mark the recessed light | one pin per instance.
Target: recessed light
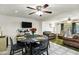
(16, 11)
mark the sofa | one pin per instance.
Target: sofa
(49, 34)
(74, 41)
(60, 36)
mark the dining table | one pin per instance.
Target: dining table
(32, 39)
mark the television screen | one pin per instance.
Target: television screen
(26, 24)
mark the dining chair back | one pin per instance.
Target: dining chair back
(15, 48)
(40, 49)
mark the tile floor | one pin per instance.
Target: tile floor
(53, 50)
(56, 49)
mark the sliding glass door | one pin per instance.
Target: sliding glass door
(62, 26)
(73, 28)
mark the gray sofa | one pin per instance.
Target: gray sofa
(49, 34)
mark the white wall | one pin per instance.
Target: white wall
(46, 26)
(50, 26)
(58, 18)
(9, 24)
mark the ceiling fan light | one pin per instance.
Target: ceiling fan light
(39, 13)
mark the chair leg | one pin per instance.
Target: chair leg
(22, 51)
(47, 52)
(11, 52)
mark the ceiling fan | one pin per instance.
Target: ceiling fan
(39, 10)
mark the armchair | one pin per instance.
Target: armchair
(49, 35)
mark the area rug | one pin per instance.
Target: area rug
(60, 42)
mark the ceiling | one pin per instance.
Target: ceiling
(20, 10)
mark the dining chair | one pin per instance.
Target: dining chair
(15, 48)
(41, 48)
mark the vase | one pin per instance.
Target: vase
(33, 33)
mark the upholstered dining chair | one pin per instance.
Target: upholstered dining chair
(15, 48)
(41, 48)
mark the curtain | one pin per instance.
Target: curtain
(73, 28)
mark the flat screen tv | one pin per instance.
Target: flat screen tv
(26, 24)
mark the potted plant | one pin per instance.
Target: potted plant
(33, 30)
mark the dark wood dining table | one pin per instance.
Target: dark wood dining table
(32, 39)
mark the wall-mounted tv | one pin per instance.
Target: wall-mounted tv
(26, 25)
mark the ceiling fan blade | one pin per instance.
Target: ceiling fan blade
(46, 5)
(31, 13)
(48, 12)
(31, 8)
